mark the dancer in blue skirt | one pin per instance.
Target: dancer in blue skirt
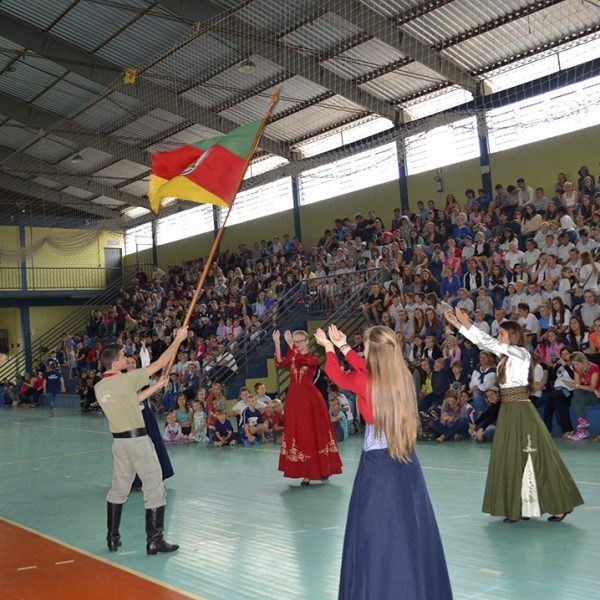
(392, 546)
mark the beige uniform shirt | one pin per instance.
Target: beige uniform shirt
(117, 396)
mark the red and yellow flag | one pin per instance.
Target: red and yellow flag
(210, 171)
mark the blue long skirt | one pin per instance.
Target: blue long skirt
(392, 546)
(159, 444)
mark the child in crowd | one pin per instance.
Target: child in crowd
(223, 430)
(261, 395)
(484, 427)
(338, 419)
(453, 422)
(252, 424)
(173, 433)
(242, 404)
(199, 428)
(336, 394)
(277, 421)
(439, 385)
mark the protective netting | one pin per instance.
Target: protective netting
(376, 82)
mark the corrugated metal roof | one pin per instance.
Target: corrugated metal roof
(119, 172)
(40, 14)
(26, 81)
(403, 82)
(80, 25)
(231, 83)
(106, 201)
(51, 149)
(269, 16)
(363, 59)
(64, 98)
(555, 22)
(459, 16)
(93, 160)
(325, 114)
(77, 192)
(149, 126)
(392, 8)
(138, 188)
(15, 135)
(293, 91)
(322, 33)
(143, 40)
(109, 112)
(194, 61)
(189, 135)
(53, 185)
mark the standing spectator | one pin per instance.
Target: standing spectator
(52, 385)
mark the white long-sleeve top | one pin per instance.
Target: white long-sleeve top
(518, 358)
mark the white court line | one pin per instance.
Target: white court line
(127, 553)
(74, 429)
(490, 571)
(329, 528)
(27, 568)
(591, 508)
(64, 562)
(298, 531)
(460, 516)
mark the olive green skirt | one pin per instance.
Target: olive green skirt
(515, 484)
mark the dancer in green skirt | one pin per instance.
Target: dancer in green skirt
(526, 475)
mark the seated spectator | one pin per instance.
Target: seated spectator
(338, 419)
(336, 394)
(252, 424)
(484, 426)
(453, 423)
(585, 386)
(261, 395)
(459, 379)
(276, 421)
(184, 414)
(482, 379)
(242, 404)
(560, 382)
(173, 433)
(223, 430)
(435, 383)
(199, 431)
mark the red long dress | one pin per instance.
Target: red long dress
(308, 446)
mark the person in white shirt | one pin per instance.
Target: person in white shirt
(531, 254)
(242, 404)
(513, 256)
(527, 320)
(500, 317)
(549, 246)
(480, 322)
(590, 309)
(540, 236)
(552, 269)
(586, 243)
(563, 248)
(534, 298)
(526, 193)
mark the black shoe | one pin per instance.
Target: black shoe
(155, 519)
(555, 519)
(113, 520)
(304, 483)
(507, 520)
(325, 478)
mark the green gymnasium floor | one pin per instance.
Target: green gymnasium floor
(247, 533)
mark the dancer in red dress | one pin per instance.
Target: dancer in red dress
(308, 447)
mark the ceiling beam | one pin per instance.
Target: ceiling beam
(105, 73)
(11, 161)
(252, 40)
(40, 192)
(387, 31)
(49, 122)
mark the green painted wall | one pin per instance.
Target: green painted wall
(42, 318)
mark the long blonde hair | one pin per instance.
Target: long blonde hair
(391, 393)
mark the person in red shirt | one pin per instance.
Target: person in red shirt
(392, 544)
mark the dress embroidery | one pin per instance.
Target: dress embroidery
(331, 447)
(530, 505)
(293, 454)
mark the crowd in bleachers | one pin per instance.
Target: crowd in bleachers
(524, 254)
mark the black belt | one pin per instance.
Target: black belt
(132, 433)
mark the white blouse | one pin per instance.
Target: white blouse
(517, 363)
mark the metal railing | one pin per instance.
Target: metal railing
(75, 321)
(57, 278)
(299, 304)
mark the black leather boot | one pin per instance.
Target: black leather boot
(113, 520)
(155, 519)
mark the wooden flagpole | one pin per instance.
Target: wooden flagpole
(213, 250)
